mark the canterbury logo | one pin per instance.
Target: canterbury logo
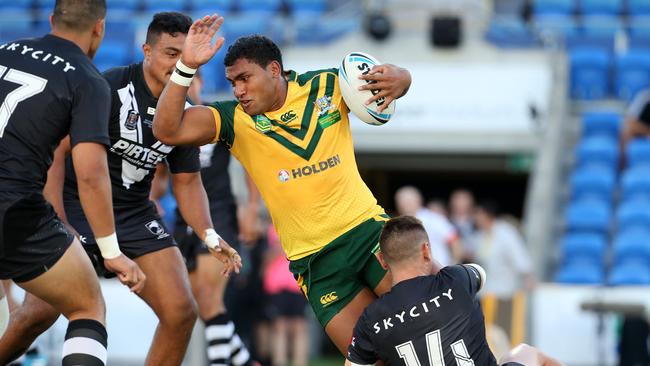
(329, 298)
(288, 117)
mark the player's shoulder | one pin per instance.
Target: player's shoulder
(308, 76)
(118, 77)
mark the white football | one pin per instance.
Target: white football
(354, 65)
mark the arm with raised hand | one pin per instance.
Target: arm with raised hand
(173, 124)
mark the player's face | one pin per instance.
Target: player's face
(254, 86)
(161, 56)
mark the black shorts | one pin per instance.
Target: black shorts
(286, 304)
(225, 224)
(140, 231)
(32, 238)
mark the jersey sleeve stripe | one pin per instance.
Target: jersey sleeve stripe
(217, 124)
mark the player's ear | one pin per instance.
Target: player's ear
(426, 251)
(382, 261)
(146, 50)
(275, 69)
(51, 21)
(99, 28)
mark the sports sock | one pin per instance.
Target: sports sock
(85, 343)
(224, 345)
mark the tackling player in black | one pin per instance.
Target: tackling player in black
(134, 154)
(48, 89)
(430, 316)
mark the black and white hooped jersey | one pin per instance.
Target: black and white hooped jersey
(48, 89)
(134, 152)
(429, 320)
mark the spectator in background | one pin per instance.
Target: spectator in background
(461, 215)
(503, 254)
(443, 239)
(286, 307)
(437, 205)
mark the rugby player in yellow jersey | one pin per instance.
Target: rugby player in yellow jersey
(291, 132)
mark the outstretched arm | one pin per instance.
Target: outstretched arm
(196, 125)
(392, 82)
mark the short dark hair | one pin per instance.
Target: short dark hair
(256, 48)
(401, 238)
(171, 22)
(78, 15)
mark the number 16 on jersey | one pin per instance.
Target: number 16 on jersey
(407, 352)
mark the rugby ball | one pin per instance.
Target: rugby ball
(354, 65)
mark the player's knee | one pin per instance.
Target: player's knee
(181, 313)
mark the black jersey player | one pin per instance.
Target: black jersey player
(48, 89)
(430, 316)
(132, 159)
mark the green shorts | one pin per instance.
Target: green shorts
(333, 276)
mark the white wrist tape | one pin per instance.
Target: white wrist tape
(211, 238)
(183, 74)
(108, 246)
(4, 315)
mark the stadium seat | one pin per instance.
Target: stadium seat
(546, 7)
(635, 184)
(593, 181)
(123, 6)
(638, 153)
(589, 73)
(638, 7)
(260, 7)
(237, 26)
(633, 214)
(606, 123)
(601, 7)
(597, 150)
(15, 6)
(510, 32)
(45, 6)
(583, 247)
(164, 5)
(629, 274)
(588, 215)
(580, 273)
(632, 73)
(639, 32)
(632, 245)
(307, 8)
(556, 28)
(203, 7)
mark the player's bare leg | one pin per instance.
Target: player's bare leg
(209, 287)
(73, 274)
(26, 323)
(168, 293)
(340, 328)
(300, 341)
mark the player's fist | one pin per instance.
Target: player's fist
(228, 256)
(198, 48)
(127, 271)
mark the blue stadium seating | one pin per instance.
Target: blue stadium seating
(307, 8)
(589, 73)
(15, 5)
(203, 7)
(123, 6)
(262, 7)
(581, 273)
(639, 32)
(629, 274)
(588, 216)
(605, 123)
(545, 7)
(598, 150)
(638, 153)
(583, 247)
(601, 7)
(510, 32)
(632, 73)
(635, 184)
(638, 7)
(111, 54)
(558, 27)
(632, 245)
(45, 6)
(164, 5)
(633, 214)
(593, 181)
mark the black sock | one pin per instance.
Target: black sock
(224, 345)
(85, 343)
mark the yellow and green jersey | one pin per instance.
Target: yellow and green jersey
(302, 160)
